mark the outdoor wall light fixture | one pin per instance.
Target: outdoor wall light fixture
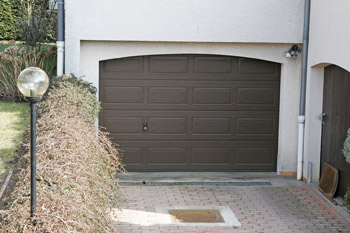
(33, 82)
(293, 52)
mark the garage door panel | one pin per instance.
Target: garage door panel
(254, 66)
(253, 126)
(186, 107)
(190, 64)
(168, 64)
(127, 65)
(245, 156)
(210, 96)
(189, 83)
(202, 112)
(110, 76)
(174, 113)
(210, 155)
(211, 64)
(134, 155)
(191, 67)
(179, 137)
(160, 155)
(173, 95)
(167, 125)
(180, 125)
(167, 95)
(208, 126)
(257, 96)
(123, 95)
(123, 125)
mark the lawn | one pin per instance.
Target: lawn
(14, 118)
(44, 46)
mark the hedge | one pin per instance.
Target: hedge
(76, 165)
(11, 19)
(9, 15)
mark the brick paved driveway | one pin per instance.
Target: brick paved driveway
(258, 208)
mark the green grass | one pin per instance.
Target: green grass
(44, 47)
(14, 119)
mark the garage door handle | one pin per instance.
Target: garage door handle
(145, 127)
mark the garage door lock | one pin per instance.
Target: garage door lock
(323, 117)
(145, 126)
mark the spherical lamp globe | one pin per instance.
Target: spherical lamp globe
(33, 82)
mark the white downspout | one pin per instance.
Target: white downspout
(300, 146)
(301, 118)
(60, 38)
(60, 57)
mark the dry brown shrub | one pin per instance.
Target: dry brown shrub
(13, 60)
(76, 164)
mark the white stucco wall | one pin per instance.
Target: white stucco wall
(240, 21)
(186, 20)
(92, 52)
(330, 33)
(329, 44)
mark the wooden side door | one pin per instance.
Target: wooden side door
(336, 122)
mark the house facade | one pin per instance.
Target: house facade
(205, 85)
(327, 88)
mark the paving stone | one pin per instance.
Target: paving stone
(258, 208)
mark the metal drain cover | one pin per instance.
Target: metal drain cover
(196, 216)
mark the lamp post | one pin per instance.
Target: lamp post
(33, 83)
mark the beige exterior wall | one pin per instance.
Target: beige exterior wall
(262, 29)
(262, 21)
(239, 21)
(329, 44)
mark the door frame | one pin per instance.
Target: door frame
(91, 52)
(313, 124)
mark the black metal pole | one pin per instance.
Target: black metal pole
(32, 157)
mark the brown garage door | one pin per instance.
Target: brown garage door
(192, 112)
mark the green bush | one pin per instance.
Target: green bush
(347, 199)
(346, 148)
(76, 164)
(13, 60)
(9, 16)
(346, 152)
(30, 21)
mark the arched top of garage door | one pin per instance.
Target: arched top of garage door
(195, 54)
(225, 67)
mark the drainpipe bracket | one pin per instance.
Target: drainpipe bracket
(60, 58)
(60, 46)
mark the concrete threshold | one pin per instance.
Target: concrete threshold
(206, 178)
(144, 183)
